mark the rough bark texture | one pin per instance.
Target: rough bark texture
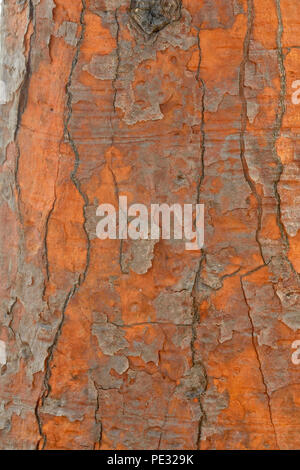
(142, 345)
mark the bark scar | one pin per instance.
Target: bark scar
(153, 15)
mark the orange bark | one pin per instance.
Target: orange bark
(115, 344)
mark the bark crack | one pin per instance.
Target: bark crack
(203, 135)
(10, 314)
(278, 125)
(116, 77)
(70, 139)
(195, 321)
(246, 47)
(47, 225)
(46, 390)
(196, 317)
(28, 72)
(98, 423)
(46, 382)
(115, 92)
(116, 189)
(258, 358)
(24, 96)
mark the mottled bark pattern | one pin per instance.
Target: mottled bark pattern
(144, 345)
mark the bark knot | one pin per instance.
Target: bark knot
(154, 15)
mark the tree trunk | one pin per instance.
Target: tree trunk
(143, 344)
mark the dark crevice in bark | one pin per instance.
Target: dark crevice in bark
(203, 136)
(250, 23)
(255, 348)
(196, 317)
(116, 77)
(10, 314)
(28, 72)
(46, 382)
(251, 184)
(40, 427)
(71, 141)
(278, 125)
(47, 228)
(46, 385)
(116, 189)
(115, 92)
(23, 98)
(196, 320)
(98, 423)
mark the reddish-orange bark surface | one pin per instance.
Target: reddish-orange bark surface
(140, 344)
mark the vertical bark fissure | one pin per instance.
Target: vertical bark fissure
(246, 48)
(10, 314)
(46, 389)
(267, 394)
(278, 125)
(24, 97)
(116, 77)
(70, 139)
(195, 321)
(28, 72)
(98, 422)
(196, 317)
(279, 116)
(203, 135)
(46, 382)
(242, 74)
(115, 92)
(47, 227)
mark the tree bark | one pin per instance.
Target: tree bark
(122, 344)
